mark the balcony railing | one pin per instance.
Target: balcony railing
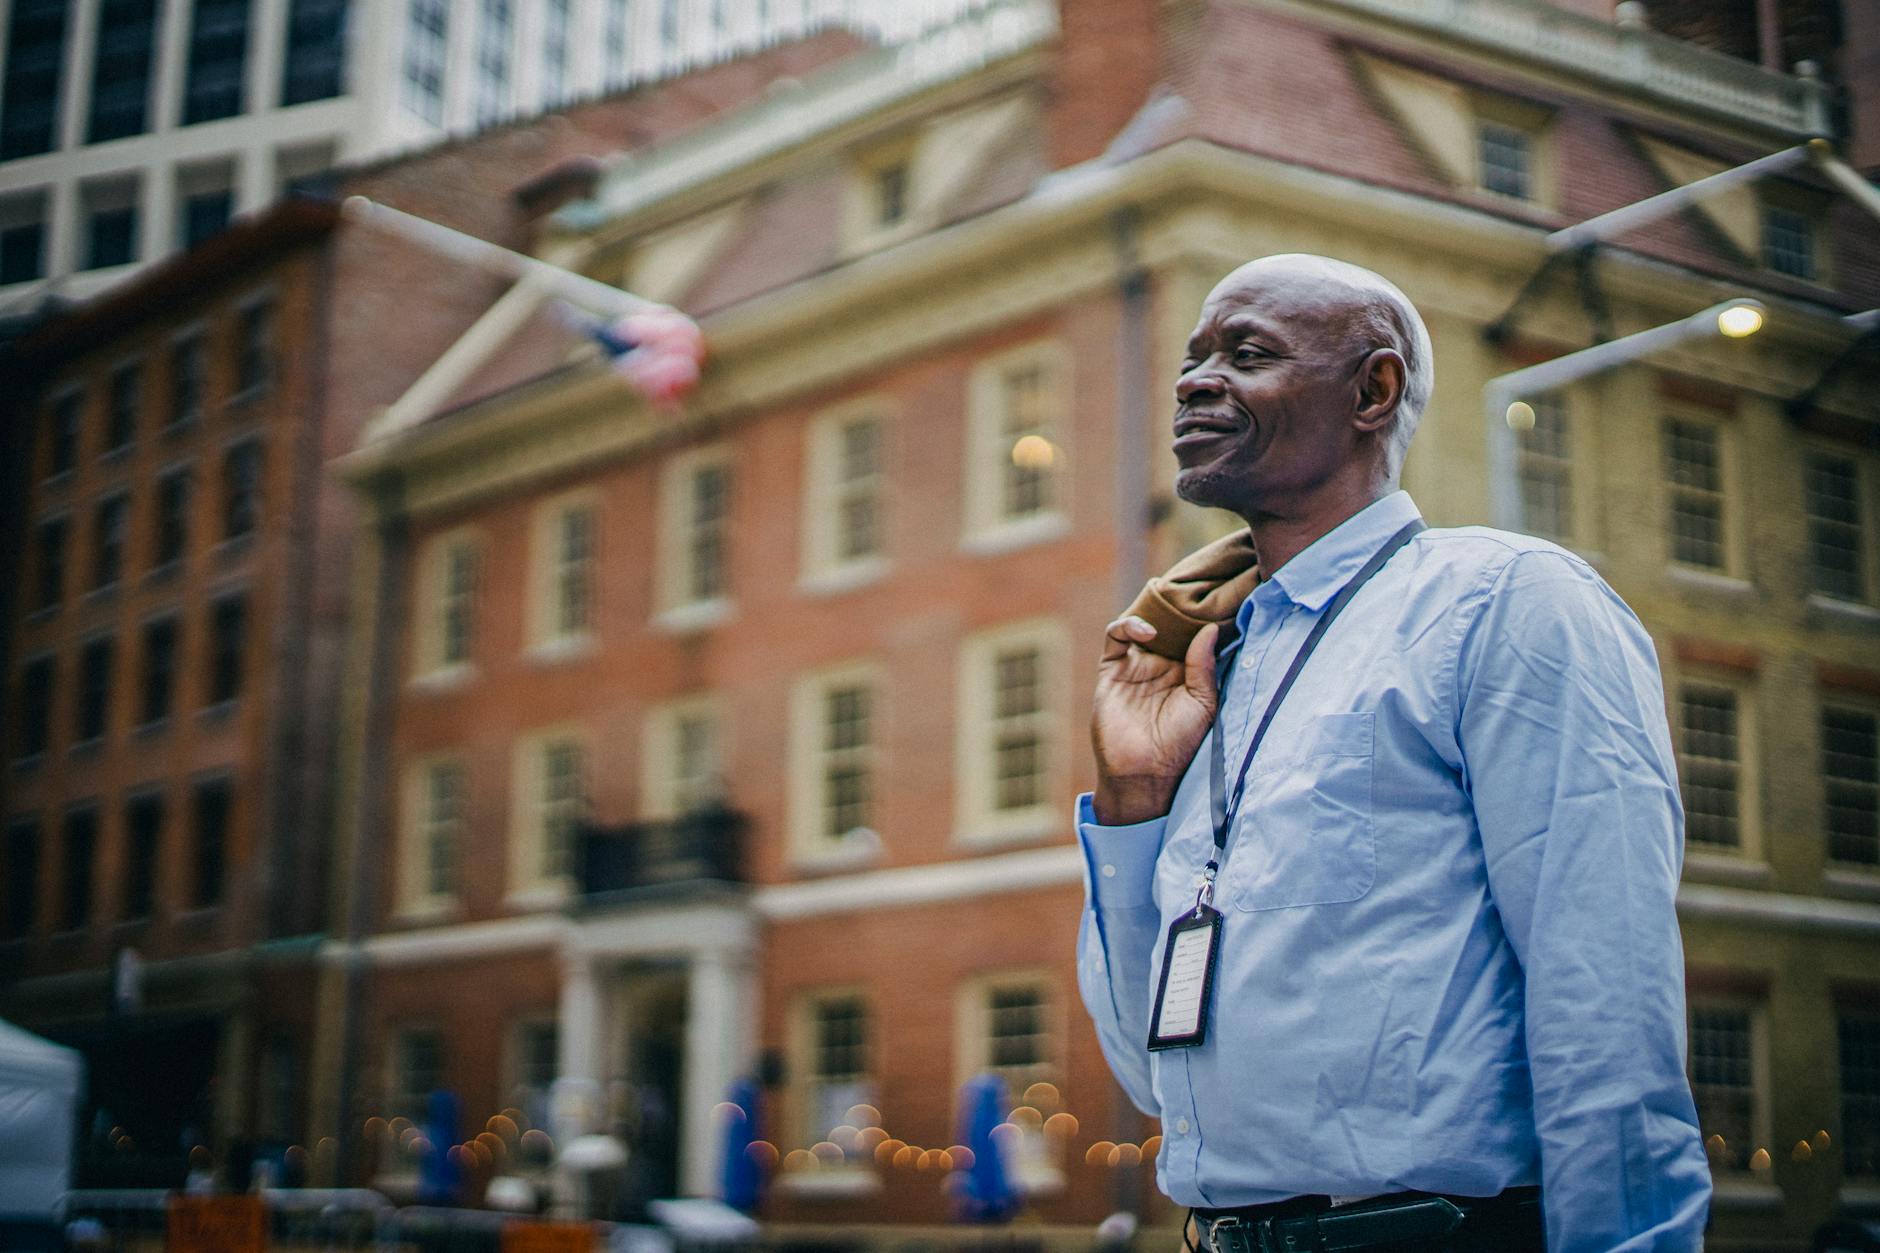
(640, 858)
(1668, 70)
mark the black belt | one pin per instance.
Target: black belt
(1508, 1223)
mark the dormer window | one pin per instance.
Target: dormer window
(1788, 242)
(891, 194)
(1504, 159)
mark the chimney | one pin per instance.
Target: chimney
(1110, 56)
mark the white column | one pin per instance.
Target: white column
(156, 211)
(721, 1024)
(62, 228)
(579, 1031)
(267, 59)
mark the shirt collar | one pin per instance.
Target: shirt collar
(1313, 577)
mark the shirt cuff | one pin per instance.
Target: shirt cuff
(1119, 862)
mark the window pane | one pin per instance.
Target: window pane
(1694, 478)
(460, 569)
(94, 694)
(111, 520)
(443, 818)
(1709, 764)
(241, 490)
(494, 38)
(1504, 153)
(1025, 445)
(144, 824)
(1860, 1096)
(563, 801)
(1850, 749)
(1723, 1083)
(29, 99)
(1547, 470)
(159, 669)
(1835, 527)
(316, 51)
(1788, 240)
(212, 806)
(172, 516)
(1016, 1041)
(425, 34)
(218, 54)
(121, 67)
(80, 855)
(228, 628)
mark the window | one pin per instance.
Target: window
(1694, 478)
(1009, 748)
(241, 489)
(437, 831)
(228, 629)
(186, 376)
(1788, 242)
(1860, 1095)
(22, 251)
(214, 801)
(49, 583)
(426, 28)
(1504, 159)
(494, 37)
(316, 51)
(254, 348)
(1710, 766)
(120, 77)
(453, 588)
(891, 193)
(29, 100)
(834, 1047)
(20, 883)
(1016, 472)
(143, 825)
(202, 214)
(696, 504)
(1724, 1065)
(159, 679)
(563, 573)
(62, 432)
(218, 54)
(80, 855)
(1547, 470)
(32, 704)
(555, 53)
(683, 760)
(110, 522)
(94, 689)
(110, 225)
(1850, 768)
(537, 1066)
(125, 399)
(172, 529)
(1836, 527)
(845, 495)
(550, 800)
(616, 50)
(837, 734)
(417, 1071)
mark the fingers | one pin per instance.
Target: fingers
(1198, 665)
(1120, 634)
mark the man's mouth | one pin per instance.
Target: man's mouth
(1195, 429)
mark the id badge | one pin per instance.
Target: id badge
(1179, 1019)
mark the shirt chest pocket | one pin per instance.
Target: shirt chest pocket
(1305, 834)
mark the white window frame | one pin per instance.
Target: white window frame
(416, 898)
(987, 528)
(660, 798)
(531, 811)
(1576, 466)
(1749, 850)
(858, 1174)
(825, 494)
(1757, 1010)
(548, 638)
(428, 665)
(678, 609)
(978, 821)
(1729, 493)
(812, 847)
(1034, 1154)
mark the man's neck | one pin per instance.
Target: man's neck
(1281, 535)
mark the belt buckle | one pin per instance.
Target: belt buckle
(1254, 1235)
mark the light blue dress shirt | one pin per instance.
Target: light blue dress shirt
(1450, 960)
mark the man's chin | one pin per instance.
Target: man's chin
(1206, 487)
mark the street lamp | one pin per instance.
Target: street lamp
(1506, 410)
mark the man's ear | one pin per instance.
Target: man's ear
(1380, 388)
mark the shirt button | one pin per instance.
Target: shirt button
(1181, 1126)
(1109, 872)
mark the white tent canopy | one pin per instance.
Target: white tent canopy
(40, 1086)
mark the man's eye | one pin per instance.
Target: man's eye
(1248, 356)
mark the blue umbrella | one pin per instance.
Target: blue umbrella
(439, 1179)
(987, 1194)
(738, 1180)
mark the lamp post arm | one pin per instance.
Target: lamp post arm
(1652, 207)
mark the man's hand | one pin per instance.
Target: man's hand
(1149, 717)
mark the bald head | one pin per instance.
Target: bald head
(1357, 309)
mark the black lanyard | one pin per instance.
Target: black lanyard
(1223, 810)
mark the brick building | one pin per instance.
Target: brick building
(745, 739)
(178, 582)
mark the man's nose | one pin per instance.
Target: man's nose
(1200, 381)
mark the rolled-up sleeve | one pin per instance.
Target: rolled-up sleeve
(1568, 762)
(1116, 942)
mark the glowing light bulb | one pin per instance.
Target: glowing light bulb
(1740, 321)
(1520, 416)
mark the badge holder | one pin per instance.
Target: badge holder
(1180, 1017)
